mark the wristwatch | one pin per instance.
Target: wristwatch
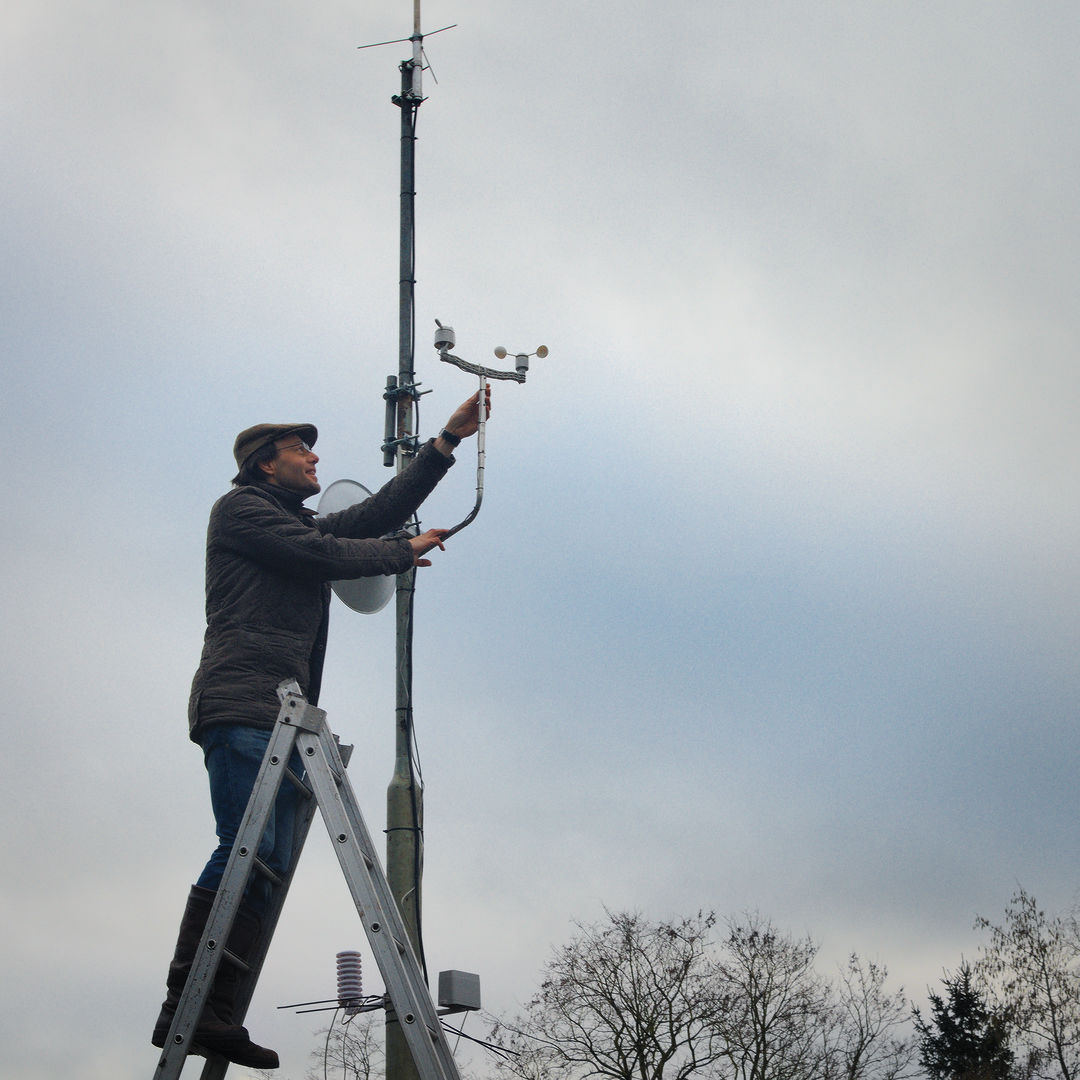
(453, 440)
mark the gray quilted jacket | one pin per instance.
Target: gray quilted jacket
(269, 562)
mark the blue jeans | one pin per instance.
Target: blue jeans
(233, 754)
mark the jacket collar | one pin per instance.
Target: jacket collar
(289, 500)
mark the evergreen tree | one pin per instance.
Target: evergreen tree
(964, 1039)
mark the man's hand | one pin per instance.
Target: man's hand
(465, 420)
(423, 543)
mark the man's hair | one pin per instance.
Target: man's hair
(251, 473)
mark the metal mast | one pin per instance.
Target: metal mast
(405, 797)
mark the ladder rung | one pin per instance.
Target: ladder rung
(301, 785)
(235, 960)
(271, 875)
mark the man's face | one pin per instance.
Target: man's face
(293, 467)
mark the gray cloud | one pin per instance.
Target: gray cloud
(773, 599)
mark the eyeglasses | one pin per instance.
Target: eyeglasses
(301, 446)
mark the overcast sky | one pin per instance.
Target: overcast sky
(773, 601)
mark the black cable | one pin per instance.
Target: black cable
(415, 771)
(499, 1051)
(411, 447)
(414, 780)
(412, 271)
(326, 1048)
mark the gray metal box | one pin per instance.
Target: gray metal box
(459, 990)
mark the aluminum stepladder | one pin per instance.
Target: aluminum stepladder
(326, 785)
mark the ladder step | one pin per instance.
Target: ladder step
(236, 961)
(273, 877)
(301, 785)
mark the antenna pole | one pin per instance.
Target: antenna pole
(405, 796)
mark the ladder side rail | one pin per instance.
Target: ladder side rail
(418, 994)
(257, 956)
(379, 914)
(416, 988)
(238, 871)
(377, 908)
(244, 854)
(216, 1066)
(376, 875)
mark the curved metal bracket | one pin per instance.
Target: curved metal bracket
(481, 405)
(444, 341)
(477, 369)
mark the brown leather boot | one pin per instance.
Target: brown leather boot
(216, 1033)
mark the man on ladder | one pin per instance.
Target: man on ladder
(269, 562)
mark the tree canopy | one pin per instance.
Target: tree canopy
(630, 999)
(963, 1039)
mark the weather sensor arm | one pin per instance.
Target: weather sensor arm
(444, 341)
(481, 406)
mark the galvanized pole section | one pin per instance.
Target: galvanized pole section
(404, 796)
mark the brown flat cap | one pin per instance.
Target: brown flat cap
(255, 438)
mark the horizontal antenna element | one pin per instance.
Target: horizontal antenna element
(402, 40)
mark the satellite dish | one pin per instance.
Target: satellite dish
(366, 594)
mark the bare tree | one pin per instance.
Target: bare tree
(635, 1000)
(1031, 972)
(774, 1015)
(627, 999)
(870, 1039)
(351, 1050)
